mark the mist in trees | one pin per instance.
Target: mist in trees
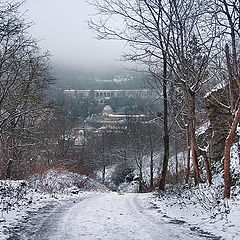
(68, 78)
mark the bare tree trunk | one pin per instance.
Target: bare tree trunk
(103, 173)
(192, 129)
(196, 152)
(9, 169)
(228, 144)
(141, 176)
(151, 170)
(234, 78)
(230, 77)
(162, 182)
(232, 73)
(151, 157)
(195, 165)
(176, 158)
(207, 166)
(188, 154)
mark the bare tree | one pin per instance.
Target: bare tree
(228, 18)
(143, 29)
(25, 76)
(174, 33)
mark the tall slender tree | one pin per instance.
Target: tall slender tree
(227, 13)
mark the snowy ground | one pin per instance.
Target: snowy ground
(62, 205)
(221, 221)
(105, 216)
(111, 215)
(25, 205)
(24, 222)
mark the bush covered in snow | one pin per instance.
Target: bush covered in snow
(54, 183)
(12, 193)
(62, 181)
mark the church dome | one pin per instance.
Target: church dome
(107, 109)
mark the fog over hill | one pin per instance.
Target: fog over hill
(69, 78)
(62, 28)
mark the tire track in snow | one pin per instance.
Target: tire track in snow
(177, 226)
(49, 225)
(108, 217)
(111, 216)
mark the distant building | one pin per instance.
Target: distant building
(102, 95)
(97, 125)
(107, 110)
(109, 119)
(104, 80)
(79, 138)
(116, 79)
(77, 93)
(120, 79)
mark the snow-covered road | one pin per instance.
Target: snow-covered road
(110, 216)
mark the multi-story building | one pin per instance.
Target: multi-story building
(102, 95)
(109, 119)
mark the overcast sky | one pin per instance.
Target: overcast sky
(62, 28)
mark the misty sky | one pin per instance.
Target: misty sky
(61, 26)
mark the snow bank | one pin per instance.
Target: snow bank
(60, 181)
(129, 187)
(203, 128)
(203, 207)
(18, 198)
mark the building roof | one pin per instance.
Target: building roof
(107, 108)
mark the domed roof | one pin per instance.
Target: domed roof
(107, 108)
